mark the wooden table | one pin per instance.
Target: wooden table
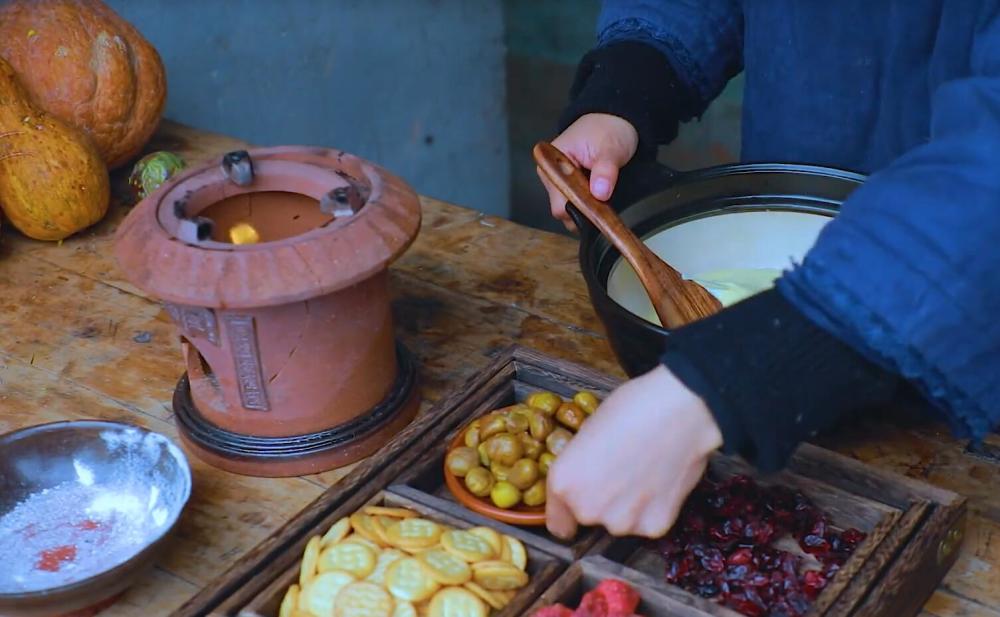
(72, 347)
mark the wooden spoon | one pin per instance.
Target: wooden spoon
(677, 301)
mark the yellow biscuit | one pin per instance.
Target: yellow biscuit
(319, 598)
(390, 512)
(358, 539)
(404, 609)
(337, 532)
(498, 575)
(518, 555)
(414, 533)
(444, 567)
(494, 539)
(363, 600)
(351, 557)
(290, 602)
(489, 597)
(379, 524)
(362, 524)
(505, 551)
(307, 570)
(382, 564)
(407, 580)
(468, 546)
(456, 602)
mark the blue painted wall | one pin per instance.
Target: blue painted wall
(415, 85)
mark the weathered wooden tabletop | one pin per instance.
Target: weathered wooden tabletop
(70, 347)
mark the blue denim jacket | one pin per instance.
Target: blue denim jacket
(909, 92)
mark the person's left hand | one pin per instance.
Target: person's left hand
(634, 462)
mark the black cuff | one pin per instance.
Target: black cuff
(634, 81)
(772, 378)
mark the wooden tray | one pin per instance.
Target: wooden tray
(914, 529)
(914, 532)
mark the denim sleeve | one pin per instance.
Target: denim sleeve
(909, 273)
(703, 39)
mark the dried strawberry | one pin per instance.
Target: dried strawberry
(556, 610)
(620, 598)
(593, 604)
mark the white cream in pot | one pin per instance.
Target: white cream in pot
(733, 255)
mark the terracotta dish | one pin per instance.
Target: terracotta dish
(521, 515)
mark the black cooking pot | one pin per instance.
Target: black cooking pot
(650, 198)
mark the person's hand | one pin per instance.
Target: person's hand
(601, 143)
(634, 462)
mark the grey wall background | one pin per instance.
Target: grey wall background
(414, 85)
(449, 94)
(545, 41)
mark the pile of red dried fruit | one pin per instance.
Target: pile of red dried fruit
(611, 598)
(721, 547)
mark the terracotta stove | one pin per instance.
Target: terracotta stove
(273, 264)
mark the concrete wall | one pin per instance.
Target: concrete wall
(415, 85)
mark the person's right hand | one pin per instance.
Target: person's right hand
(601, 143)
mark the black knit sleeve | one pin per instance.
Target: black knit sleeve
(772, 378)
(634, 81)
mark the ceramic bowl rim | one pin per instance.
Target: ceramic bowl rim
(535, 517)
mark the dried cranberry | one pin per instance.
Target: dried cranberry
(759, 580)
(713, 560)
(694, 523)
(798, 602)
(813, 582)
(745, 606)
(815, 545)
(740, 557)
(852, 537)
(716, 533)
(760, 532)
(818, 527)
(733, 526)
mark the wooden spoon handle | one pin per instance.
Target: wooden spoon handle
(571, 182)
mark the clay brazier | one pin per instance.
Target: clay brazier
(292, 364)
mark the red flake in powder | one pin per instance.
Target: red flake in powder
(88, 525)
(52, 559)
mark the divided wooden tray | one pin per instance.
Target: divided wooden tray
(914, 529)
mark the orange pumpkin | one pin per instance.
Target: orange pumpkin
(53, 182)
(84, 64)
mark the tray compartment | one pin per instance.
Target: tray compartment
(899, 519)
(542, 568)
(656, 601)
(424, 481)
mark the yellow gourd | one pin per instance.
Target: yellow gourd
(53, 182)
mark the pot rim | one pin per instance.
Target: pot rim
(312, 264)
(589, 244)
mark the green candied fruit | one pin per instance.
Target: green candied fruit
(153, 170)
